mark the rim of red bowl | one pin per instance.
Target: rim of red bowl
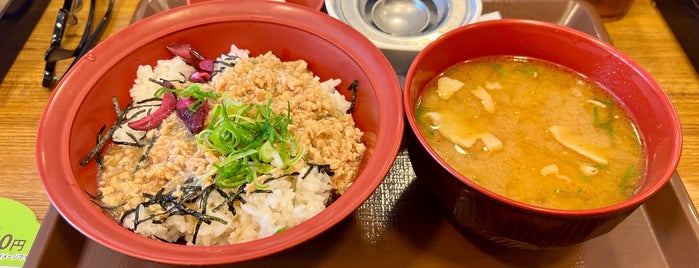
(314, 4)
(69, 199)
(636, 200)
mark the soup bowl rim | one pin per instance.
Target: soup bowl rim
(634, 201)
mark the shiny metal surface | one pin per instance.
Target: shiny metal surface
(400, 17)
(444, 16)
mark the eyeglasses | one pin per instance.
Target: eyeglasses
(56, 52)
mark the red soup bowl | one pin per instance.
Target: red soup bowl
(82, 103)
(504, 220)
(314, 4)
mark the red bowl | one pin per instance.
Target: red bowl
(82, 103)
(314, 4)
(513, 223)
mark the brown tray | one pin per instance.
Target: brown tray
(401, 224)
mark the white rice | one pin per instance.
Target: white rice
(263, 214)
(292, 200)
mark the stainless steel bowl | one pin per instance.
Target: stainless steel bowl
(445, 15)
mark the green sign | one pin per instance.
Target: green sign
(18, 228)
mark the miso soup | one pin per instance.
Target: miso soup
(533, 131)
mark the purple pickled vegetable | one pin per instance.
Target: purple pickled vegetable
(185, 51)
(153, 120)
(200, 77)
(193, 111)
(192, 118)
(204, 66)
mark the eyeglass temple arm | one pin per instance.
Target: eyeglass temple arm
(87, 42)
(55, 52)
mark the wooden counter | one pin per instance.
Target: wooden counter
(642, 34)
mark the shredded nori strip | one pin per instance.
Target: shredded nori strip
(170, 206)
(258, 191)
(162, 83)
(115, 104)
(153, 99)
(353, 87)
(227, 62)
(97, 197)
(126, 143)
(97, 200)
(98, 155)
(134, 141)
(146, 152)
(102, 139)
(321, 168)
(229, 199)
(217, 71)
(191, 179)
(191, 193)
(282, 176)
(133, 138)
(168, 83)
(204, 200)
(161, 240)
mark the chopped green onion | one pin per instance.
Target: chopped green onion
(499, 69)
(531, 71)
(194, 91)
(254, 140)
(601, 122)
(585, 178)
(630, 172)
(267, 152)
